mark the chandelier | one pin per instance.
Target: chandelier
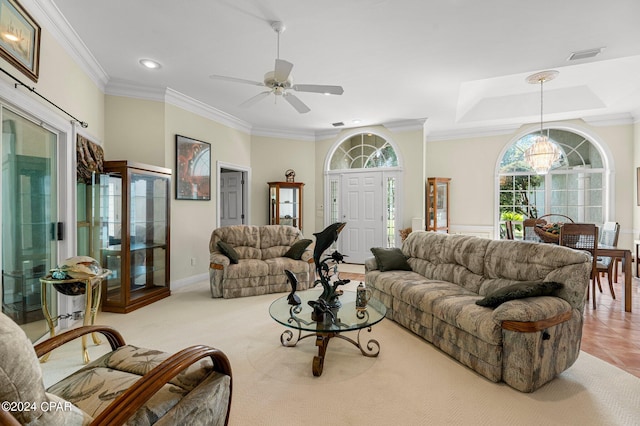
(544, 152)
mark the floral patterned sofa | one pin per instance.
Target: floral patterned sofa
(261, 253)
(524, 342)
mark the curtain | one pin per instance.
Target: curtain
(90, 159)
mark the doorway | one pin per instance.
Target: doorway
(29, 220)
(232, 199)
(362, 188)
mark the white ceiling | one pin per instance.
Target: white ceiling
(461, 64)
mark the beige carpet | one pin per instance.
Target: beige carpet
(410, 383)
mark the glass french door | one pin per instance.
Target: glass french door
(29, 219)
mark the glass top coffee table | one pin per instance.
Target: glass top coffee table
(347, 318)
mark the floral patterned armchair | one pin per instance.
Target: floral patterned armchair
(128, 385)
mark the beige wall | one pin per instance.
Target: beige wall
(410, 148)
(64, 83)
(471, 164)
(144, 131)
(270, 158)
(135, 130)
(193, 221)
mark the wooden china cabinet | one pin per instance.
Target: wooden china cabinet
(134, 212)
(437, 214)
(285, 203)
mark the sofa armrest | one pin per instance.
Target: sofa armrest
(370, 264)
(218, 261)
(307, 256)
(533, 310)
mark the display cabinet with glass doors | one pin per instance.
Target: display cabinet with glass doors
(285, 203)
(134, 223)
(437, 203)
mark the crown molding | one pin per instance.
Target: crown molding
(50, 17)
(475, 132)
(129, 89)
(405, 125)
(195, 106)
(285, 134)
(610, 119)
(327, 133)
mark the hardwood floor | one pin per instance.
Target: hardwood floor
(609, 333)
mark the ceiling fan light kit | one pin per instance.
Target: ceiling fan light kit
(280, 82)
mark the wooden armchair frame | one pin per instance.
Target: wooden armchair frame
(123, 407)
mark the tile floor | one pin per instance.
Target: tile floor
(609, 332)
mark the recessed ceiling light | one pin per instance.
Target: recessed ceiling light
(356, 121)
(150, 63)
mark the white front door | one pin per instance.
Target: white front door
(231, 212)
(363, 211)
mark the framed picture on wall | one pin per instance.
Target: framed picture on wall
(638, 186)
(20, 40)
(193, 169)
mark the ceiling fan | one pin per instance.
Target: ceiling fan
(280, 83)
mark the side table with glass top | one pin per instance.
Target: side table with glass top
(91, 287)
(347, 318)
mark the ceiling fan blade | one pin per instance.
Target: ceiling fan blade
(235, 80)
(296, 103)
(282, 70)
(254, 99)
(318, 88)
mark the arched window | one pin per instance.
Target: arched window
(574, 187)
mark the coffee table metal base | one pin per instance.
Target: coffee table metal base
(289, 339)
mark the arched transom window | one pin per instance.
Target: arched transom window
(363, 151)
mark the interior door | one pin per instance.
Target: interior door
(231, 187)
(29, 217)
(362, 210)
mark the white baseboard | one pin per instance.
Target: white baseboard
(189, 280)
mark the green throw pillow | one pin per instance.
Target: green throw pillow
(228, 251)
(390, 259)
(519, 291)
(296, 250)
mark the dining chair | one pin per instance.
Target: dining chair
(509, 229)
(606, 264)
(583, 236)
(527, 229)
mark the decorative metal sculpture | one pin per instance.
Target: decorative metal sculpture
(328, 300)
(293, 298)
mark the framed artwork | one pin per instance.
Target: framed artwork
(193, 169)
(638, 186)
(19, 38)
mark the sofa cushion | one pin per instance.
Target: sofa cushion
(461, 312)
(519, 291)
(278, 235)
(228, 251)
(296, 250)
(390, 259)
(277, 265)
(248, 268)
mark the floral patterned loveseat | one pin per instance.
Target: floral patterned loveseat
(524, 342)
(262, 254)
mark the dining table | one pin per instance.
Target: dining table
(625, 254)
(617, 253)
